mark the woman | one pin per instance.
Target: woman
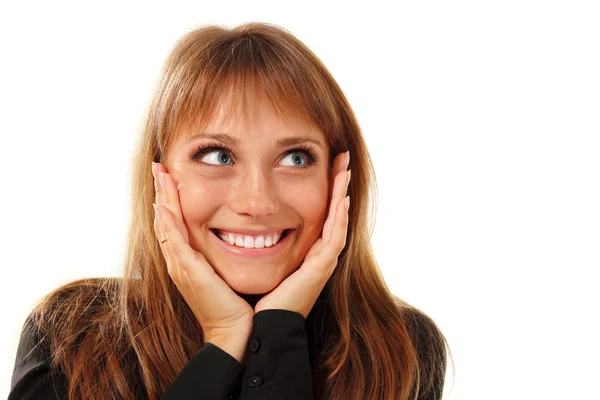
(249, 273)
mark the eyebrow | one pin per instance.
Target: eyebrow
(232, 142)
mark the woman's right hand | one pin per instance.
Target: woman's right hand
(223, 315)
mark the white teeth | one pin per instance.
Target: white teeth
(250, 242)
(239, 241)
(259, 243)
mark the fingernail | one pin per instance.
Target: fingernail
(162, 180)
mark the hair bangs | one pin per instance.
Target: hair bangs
(250, 70)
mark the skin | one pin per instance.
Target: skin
(258, 187)
(255, 192)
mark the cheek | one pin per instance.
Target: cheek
(310, 202)
(199, 200)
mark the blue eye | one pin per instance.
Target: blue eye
(297, 159)
(222, 156)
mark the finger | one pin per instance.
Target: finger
(174, 269)
(339, 234)
(158, 197)
(162, 191)
(325, 260)
(338, 166)
(341, 186)
(163, 242)
(169, 197)
(176, 250)
(161, 234)
(158, 230)
(171, 194)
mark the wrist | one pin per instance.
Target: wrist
(233, 343)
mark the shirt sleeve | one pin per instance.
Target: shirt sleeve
(277, 360)
(211, 374)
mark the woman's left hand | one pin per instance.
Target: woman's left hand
(299, 291)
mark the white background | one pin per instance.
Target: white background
(482, 119)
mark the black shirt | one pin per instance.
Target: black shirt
(277, 365)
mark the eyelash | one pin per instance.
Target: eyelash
(311, 155)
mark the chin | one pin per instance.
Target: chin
(249, 283)
(253, 287)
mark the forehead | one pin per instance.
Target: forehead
(238, 117)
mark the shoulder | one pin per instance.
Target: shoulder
(422, 328)
(33, 362)
(85, 295)
(32, 345)
(51, 325)
(430, 345)
(74, 305)
(54, 310)
(53, 316)
(98, 289)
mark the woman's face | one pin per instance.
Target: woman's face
(259, 188)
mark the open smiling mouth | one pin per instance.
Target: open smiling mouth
(242, 244)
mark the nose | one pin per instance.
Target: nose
(254, 194)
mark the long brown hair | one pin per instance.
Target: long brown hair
(129, 338)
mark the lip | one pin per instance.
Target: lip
(255, 253)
